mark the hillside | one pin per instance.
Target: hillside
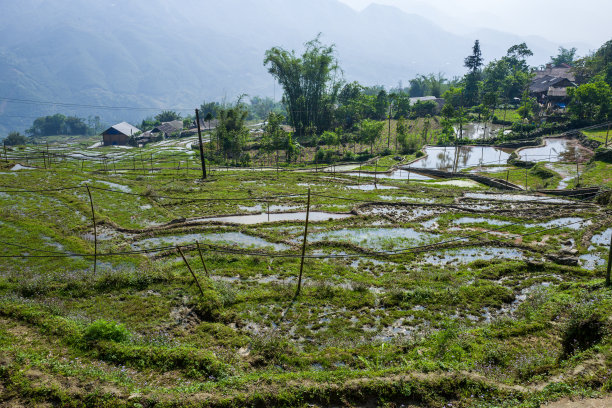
(175, 54)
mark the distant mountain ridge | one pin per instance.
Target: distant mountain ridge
(163, 53)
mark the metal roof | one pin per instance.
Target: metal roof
(124, 128)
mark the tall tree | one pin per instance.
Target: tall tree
(167, 116)
(310, 83)
(474, 63)
(231, 131)
(564, 56)
(370, 131)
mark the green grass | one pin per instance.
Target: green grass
(599, 135)
(370, 328)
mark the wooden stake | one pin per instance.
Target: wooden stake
(375, 173)
(190, 270)
(151, 162)
(609, 264)
(507, 175)
(93, 218)
(202, 259)
(607, 133)
(408, 178)
(297, 293)
(48, 157)
(577, 172)
(201, 146)
(5, 155)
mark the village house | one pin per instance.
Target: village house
(166, 129)
(549, 85)
(119, 134)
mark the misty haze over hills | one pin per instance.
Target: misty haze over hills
(175, 54)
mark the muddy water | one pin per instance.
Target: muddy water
(261, 218)
(461, 157)
(556, 150)
(234, 238)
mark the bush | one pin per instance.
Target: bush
(106, 330)
(419, 154)
(584, 329)
(539, 170)
(208, 307)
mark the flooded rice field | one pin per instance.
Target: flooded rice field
(231, 238)
(314, 216)
(399, 174)
(477, 131)
(556, 150)
(456, 158)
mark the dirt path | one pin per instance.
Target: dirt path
(605, 402)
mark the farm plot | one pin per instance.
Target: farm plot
(193, 292)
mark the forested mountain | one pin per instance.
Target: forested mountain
(163, 53)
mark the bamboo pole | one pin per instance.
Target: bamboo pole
(201, 146)
(202, 259)
(299, 286)
(609, 264)
(93, 218)
(190, 270)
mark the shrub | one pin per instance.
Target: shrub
(207, 307)
(584, 329)
(106, 330)
(539, 170)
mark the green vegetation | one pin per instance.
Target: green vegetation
(481, 322)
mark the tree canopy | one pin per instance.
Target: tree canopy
(310, 82)
(58, 124)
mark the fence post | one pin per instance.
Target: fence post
(190, 270)
(297, 293)
(197, 112)
(577, 172)
(408, 178)
(93, 218)
(202, 259)
(607, 133)
(609, 264)
(375, 173)
(5, 155)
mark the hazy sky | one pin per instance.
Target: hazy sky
(566, 21)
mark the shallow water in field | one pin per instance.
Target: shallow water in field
(371, 187)
(473, 220)
(591, 261)
(556, 150)
(475, 131)
(376, 238)
(233, 238)
(516, 197)
(314, 216)
(399, 174)
(602, 238)
(457, 158)
(463, 256)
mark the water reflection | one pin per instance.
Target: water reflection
(475, 131)
(457, 158)
(556, 150)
